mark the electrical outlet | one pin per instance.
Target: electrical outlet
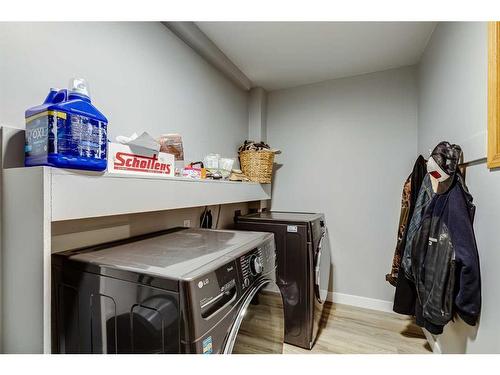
(187, 223)
(237, 213)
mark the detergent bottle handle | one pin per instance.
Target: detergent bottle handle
(50, 97)
(61, 96)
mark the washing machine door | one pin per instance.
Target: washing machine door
(322, 262)
(259, 327)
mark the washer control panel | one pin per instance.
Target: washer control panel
(257, 262)
(213, 291)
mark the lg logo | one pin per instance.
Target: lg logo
(202, 283)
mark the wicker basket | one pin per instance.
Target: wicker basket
(257, 165)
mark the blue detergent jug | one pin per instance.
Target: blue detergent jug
(67, 131)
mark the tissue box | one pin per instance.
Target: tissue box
(124, 159)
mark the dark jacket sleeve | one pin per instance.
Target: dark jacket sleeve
(468, 278)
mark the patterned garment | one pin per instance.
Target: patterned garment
(392, 277)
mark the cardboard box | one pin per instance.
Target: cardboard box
(139, 161)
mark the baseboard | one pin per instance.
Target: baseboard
(436, 349)
(358, 301)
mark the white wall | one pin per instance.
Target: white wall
(348, 145)
(452, 84)
(141, 77)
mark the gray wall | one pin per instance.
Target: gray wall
(141, 77)
(87, 232)
(452, 84)
(348, 145)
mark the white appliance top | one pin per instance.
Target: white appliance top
(184, 254)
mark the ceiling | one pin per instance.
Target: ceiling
(277, 55)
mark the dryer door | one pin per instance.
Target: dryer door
(322, 263)
(259, 327)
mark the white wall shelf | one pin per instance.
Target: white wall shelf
(79, 194)
(33, 198)
(76, 195)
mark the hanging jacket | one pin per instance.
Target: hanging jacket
(408, 198)
(405, 294)
(445, 261)
(424, 197)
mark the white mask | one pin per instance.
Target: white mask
(435, 170)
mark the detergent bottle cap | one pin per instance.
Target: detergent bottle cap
(79, 86)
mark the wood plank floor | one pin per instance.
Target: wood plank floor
(353, 330)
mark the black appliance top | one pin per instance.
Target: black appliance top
(279, 216)
(180, 255)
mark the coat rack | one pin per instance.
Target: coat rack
(470, 163)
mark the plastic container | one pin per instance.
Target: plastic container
(211, 162)
(226, 166)
(66, 131)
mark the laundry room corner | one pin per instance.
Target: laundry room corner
(273, 178)
(333, 136)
